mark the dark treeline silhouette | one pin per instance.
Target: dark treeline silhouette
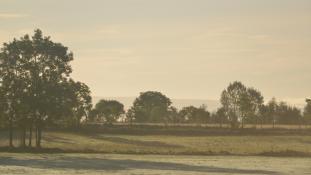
(36, 91)
(240, 106)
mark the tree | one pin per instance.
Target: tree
(193, 114)
(82, 102)
(272, 113)
(220, 116)
(288, 114)
(14, 83)
(109, 110)
(231, 100)
(3, 105)
(129, 116)
(35, 79)
(307, 112)
(151, 106)
(280, 113)
(241, 104)
(254, 101)
(174, 117)
(263, 115)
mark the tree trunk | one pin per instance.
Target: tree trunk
(38, 135)
(30, 135)
(23, 137)
(11, 132)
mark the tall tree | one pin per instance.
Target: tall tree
(14, 82)
(241, 104)
(33, 73)
(254, 101)
(231, 100)
(151, 106)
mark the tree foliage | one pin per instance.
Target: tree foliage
(108, 111)
(36, 84)
(240, 103)
(193, 114)
(151, 106)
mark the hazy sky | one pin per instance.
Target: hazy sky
(183, 48)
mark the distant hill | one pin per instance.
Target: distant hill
(212, 105)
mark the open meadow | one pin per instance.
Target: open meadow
(175, 142)
(115, 164)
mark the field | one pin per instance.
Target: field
(115, 164)
(77, 142)
(123, 150)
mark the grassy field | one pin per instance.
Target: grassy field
(258, 126)
(279, 145)
(69, 164)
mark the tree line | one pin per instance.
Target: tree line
(239, 106)
(37, 91)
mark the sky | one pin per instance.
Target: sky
(186, 49)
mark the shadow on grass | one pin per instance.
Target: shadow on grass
(136, 142)
(57, 139)
(82, 163)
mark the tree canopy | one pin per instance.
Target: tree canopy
(108, 111)
(35, 84)
(151, 106)
(240, 103)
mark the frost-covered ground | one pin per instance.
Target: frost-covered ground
(37, 164)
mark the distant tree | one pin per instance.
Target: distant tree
(254, 101)
(151, 106)
(307, 112)
(174, 117)
(232, 99)
(288, 114)
(263, 115)
(130, 116)
(220, 116)
(280, 113)
(272, 111)
(241, 104)
(193, 114)
(109, 110)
